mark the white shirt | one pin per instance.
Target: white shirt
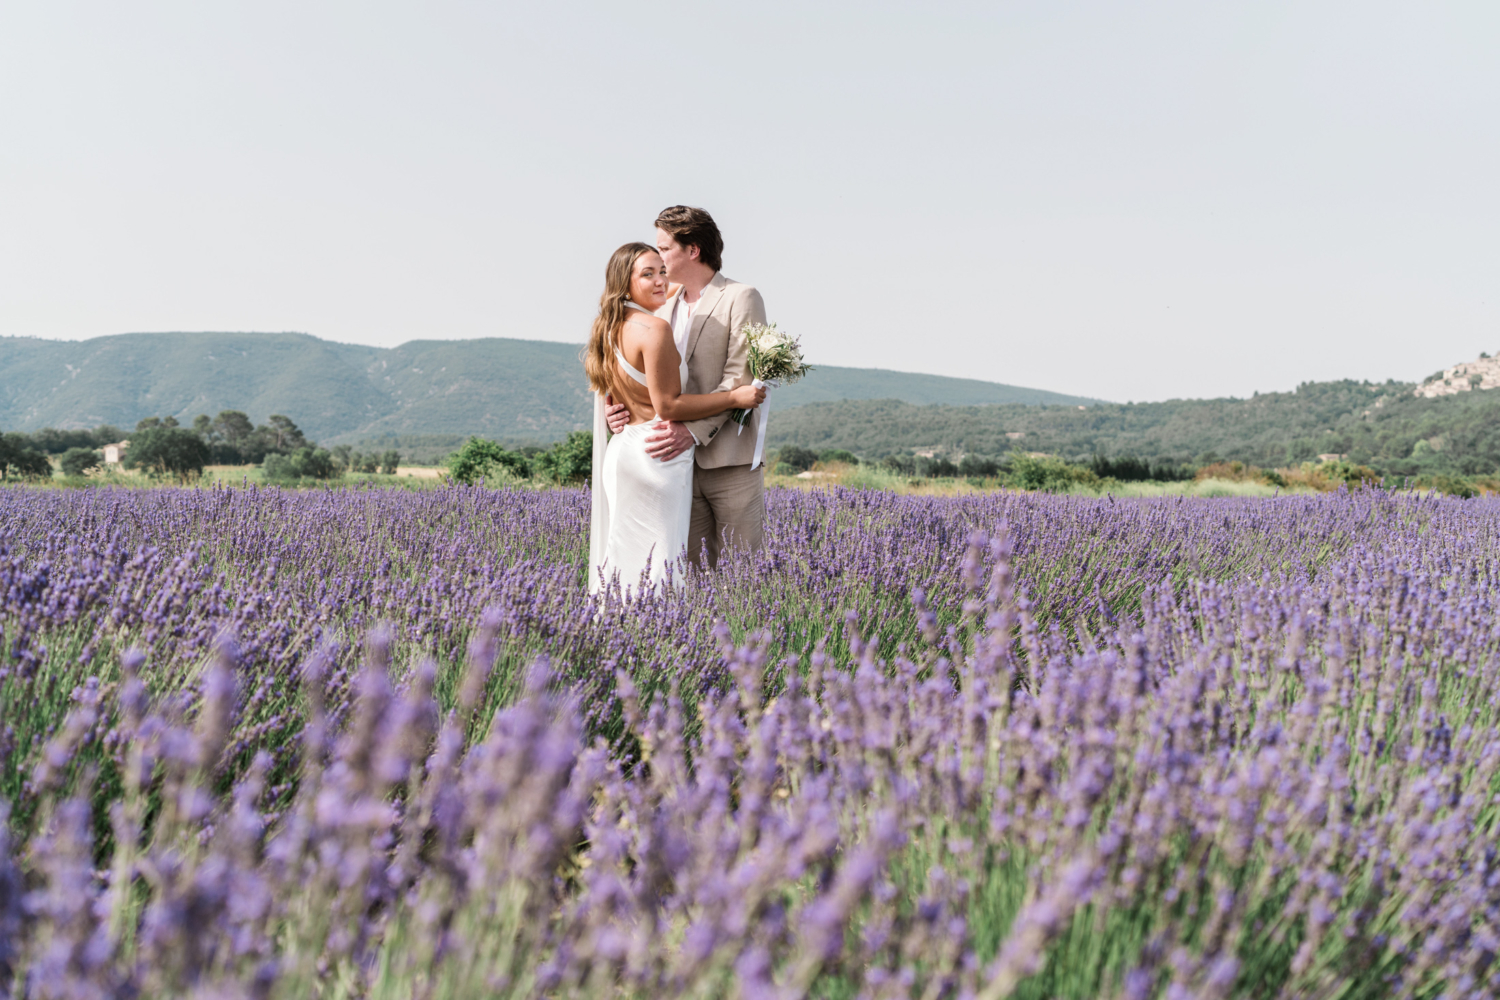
(682, 325)
(682, 321)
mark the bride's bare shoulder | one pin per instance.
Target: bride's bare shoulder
(648, 327)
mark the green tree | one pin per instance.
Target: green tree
(55, 441)
(389, 461)
(80, 461)
(304, 463)
(285, 435)
(20, 457)
(569, 461)
(277, 435)
(315, 463)
(167, 450)
(230, 435)
(480, 459)
(152, 423)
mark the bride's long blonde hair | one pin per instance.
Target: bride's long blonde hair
(604, 339)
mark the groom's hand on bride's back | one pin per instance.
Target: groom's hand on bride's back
(667, 440)
(617, 415)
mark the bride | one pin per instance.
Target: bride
(641, 505)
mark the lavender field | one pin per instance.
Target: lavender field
(263, 743)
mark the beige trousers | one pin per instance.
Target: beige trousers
(729, 510)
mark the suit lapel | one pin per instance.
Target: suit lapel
(706, 301)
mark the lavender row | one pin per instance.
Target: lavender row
(1212, 749)
(87, 575)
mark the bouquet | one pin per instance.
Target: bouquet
(775, 359)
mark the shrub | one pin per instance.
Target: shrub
(480, 459)
(167, 450)
(980, 468)
(796, 458)
(1048, 474)
(1349, 473)
(20, 458)
(901, 464)
(368, 464)
(1445, 483)
(838, 455)
(80, 461)
(570, 461)
(935, 466)
(304, 463)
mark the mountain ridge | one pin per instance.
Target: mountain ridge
(495, 387)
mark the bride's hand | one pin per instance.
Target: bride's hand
(747, 397)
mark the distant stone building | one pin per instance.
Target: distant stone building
(114, 452)
(1481, 374)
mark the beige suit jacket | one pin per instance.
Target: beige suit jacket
(718, 360)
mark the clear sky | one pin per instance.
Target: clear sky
(1130, 201)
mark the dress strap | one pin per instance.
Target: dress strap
(630, 369)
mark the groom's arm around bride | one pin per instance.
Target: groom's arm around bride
(708, 314)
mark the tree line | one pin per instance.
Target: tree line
(162, 446)
(1378, 425)
(1015, 468)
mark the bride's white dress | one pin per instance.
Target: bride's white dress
(641, 513)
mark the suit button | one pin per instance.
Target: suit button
(713, 432)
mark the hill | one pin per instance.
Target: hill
(515, 390)
(1382, 425)
(493, 386)
(829, 384)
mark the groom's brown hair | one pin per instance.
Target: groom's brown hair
(694, 227)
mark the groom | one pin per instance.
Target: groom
(708, 314)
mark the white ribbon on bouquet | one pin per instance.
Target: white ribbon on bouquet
(760, 423)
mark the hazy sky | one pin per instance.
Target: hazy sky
(1130, 201)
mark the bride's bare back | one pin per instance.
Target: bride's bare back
(646, 345)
